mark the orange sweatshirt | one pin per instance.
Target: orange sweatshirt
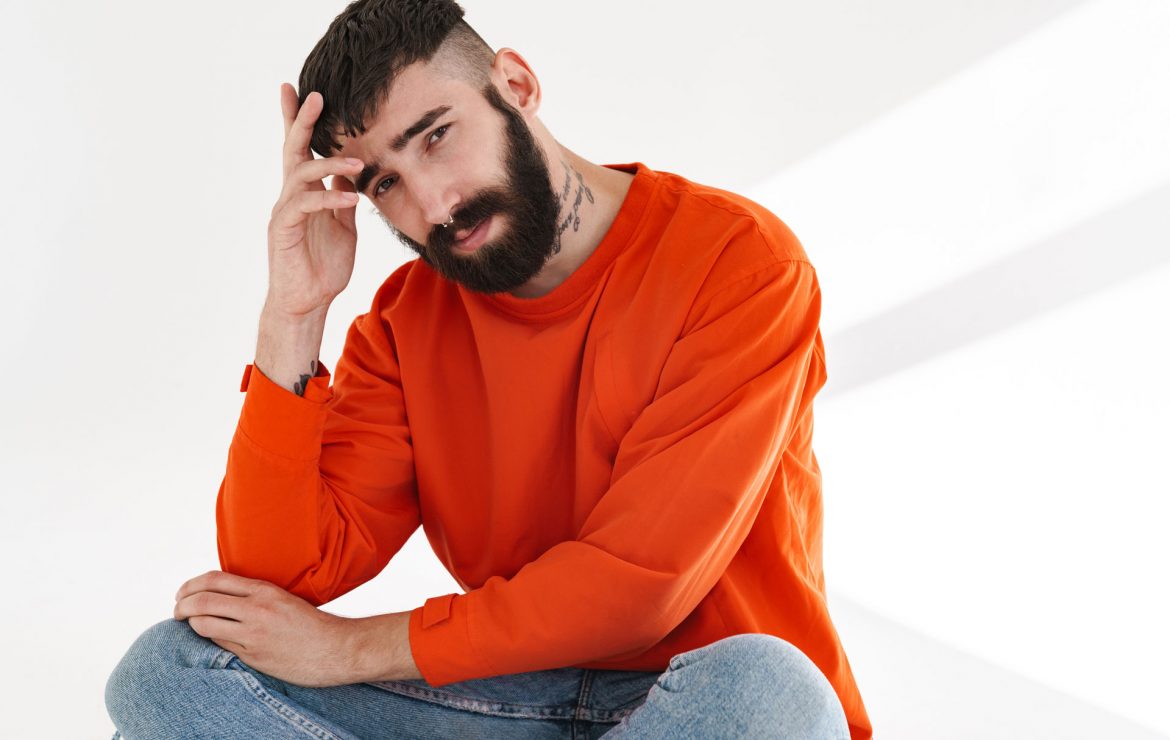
(615, 472)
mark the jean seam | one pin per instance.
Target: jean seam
(596, 714)
(583, 694)
(478, 706)
(582, 698)
(284, 711)
(222, 659)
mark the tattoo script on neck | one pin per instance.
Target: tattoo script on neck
(572, 212)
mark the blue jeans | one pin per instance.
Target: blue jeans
(174, 683)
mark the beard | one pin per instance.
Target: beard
(529, 208)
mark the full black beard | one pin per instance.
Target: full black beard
(529, 207)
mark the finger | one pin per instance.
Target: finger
(318, 200)
(215, 628)
(290, 213)
(211, 604)
(218, 580)
(310, 173)
(231, 647)
(345, 214)
(296, 143)
(288, 105)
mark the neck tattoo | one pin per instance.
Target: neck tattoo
(572, 212)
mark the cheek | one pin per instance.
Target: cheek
(400, 233)
(403, 225)
(479, 160)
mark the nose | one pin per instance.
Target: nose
(436, 199)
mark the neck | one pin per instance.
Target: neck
(590, 196)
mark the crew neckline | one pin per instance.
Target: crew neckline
(624, 225)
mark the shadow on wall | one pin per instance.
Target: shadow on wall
(791, 77)
(1064, 268)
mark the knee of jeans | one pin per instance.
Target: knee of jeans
(760, 665)
(145, 669)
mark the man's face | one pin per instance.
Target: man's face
(476, 162)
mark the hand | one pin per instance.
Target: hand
(270, 629)
(312, 237)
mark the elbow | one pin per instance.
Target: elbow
(264, 553)
(241, 562)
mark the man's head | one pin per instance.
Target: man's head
(444, 126)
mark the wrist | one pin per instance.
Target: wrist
(271, 315)
(377, 648)
(287, 347)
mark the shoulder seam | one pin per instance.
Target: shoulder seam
(729, 207)
(737, 210)
(743, 278)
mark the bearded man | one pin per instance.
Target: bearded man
(593, 390)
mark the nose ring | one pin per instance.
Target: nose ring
(449, 222)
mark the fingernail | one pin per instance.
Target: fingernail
(351, 160)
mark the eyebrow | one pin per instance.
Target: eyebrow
(399, 143)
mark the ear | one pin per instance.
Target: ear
(516, 81)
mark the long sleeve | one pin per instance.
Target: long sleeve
(688, 479)
(319, 491)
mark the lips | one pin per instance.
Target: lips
(464, 233)
(470, 239)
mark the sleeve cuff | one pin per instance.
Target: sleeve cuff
(281, 422)
(440, 642)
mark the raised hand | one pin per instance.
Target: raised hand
(312, 238)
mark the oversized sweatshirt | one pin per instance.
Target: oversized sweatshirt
(616, 472)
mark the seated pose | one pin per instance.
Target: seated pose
(593, 390)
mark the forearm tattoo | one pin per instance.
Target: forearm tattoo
(572, 213)
(300, 386)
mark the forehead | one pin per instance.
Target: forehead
(416, 89)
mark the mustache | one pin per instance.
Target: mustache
(484, 204)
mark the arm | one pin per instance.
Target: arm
(296, 452)
(319, 491)
(688, 479)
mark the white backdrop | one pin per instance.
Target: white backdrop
(984, 189)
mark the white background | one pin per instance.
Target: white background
(983, 187)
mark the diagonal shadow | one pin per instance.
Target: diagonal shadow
(1112, 247)
(914, 684)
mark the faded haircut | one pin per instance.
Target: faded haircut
(368, 44)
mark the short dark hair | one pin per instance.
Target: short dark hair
(368, 44)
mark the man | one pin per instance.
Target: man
(593, 390)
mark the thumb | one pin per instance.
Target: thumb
(344, 215)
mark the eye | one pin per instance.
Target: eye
(378, 188)
(438, 133)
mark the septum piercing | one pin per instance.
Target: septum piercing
(451, 221)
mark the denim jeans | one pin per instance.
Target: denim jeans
(174, 683)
